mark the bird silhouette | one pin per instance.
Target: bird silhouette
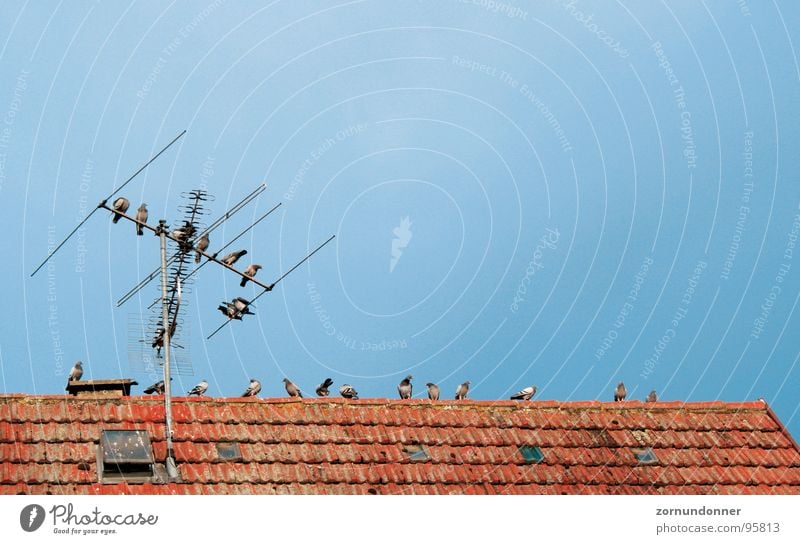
(652, 397)
(201, 245)
(433, 391)
(322, 389)
(525, 394)
(620, 392)
(121, 205)
(251, 271)
(75, 373)
(348, 392)
(141, 215)
(405, 387)
(157, 388)
(253, 389)
(462, 390)
(292, 389)
(231, 258)
(199, 389)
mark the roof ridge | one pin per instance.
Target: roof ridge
(716, 405)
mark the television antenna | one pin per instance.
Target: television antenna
(188, 241)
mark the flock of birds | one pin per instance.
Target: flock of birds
(236, 308)
(239, 307)
(404, 389)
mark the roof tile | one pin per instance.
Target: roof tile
(324, 446)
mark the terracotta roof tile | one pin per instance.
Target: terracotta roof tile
(334, 446)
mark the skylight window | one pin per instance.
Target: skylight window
(532, 454)
(645, 456)
(229, 451)
(125, 455)
(416, 452)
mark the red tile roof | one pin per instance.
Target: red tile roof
(48, 444)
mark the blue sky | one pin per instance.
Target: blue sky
(566, 194)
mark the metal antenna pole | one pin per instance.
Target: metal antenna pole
(172, 469)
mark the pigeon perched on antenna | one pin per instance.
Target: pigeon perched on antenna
(652, 397)
(158, 341)
(322, 389)
(525, 394)
(462, 390)
(199, 389)
(183, 234)
(120, 205)
(249, 271)
(620, 393)
(292, 389)
(236, 308)
(433, 391)
(141, 216)
(253, 389)
(156, 388)
(242, 306)
(405, 387)
(231, 258)
(348, 392)
(201, 245)
(76, 373)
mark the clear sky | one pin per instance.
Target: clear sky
(561, 193)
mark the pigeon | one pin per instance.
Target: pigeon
(620, 393)
(76, 373)
(242, 306)
(158, 341)
(461, 392)
(348, 392)
(292, 389)
(157, 388)
(199, 389)
(433, 391)
(231, 258)
(405, 387)
(120, 205)
(141, 215)
(322, 389)
(229, 310)
(525, 394)
(235, 309)
(183, 233)
(652, 397)
(201, 245)
(253, 389)
(249, 271)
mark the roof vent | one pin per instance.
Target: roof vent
(416, 452)
(645, 456)
(100, 388)
(532, 454)
(229, 451)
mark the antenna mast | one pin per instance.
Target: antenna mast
(172, 469)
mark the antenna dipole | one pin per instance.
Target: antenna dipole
(196, 270)
(272, 286)
(154, 274)
(102, 202)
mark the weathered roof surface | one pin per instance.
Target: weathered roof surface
(48, 444)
